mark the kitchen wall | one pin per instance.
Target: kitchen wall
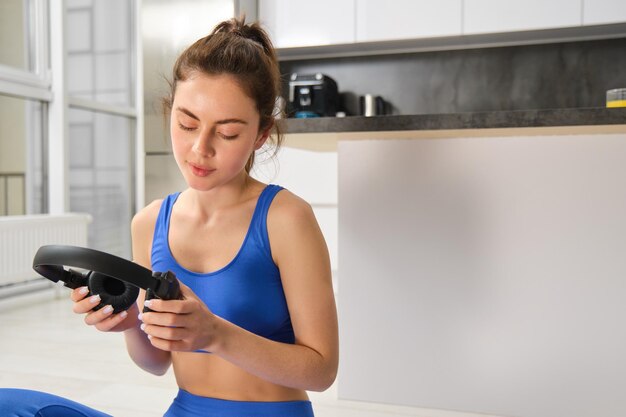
(558, 75)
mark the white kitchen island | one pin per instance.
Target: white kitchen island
(483, 270)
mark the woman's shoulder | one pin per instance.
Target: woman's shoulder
(293, 229)
(290, 215)
(142, 230)
(288, 207)
(144, 220)
(148, 214)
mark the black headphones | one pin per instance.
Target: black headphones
(115, 279)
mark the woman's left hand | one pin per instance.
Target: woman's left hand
(180, 325)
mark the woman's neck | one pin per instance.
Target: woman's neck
(204, 204)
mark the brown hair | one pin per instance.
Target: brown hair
(245, 51)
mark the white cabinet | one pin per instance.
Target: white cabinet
(488, 16)
(297, 23)
(407, 19)
(487, 272)
(598, 12)
(300, 23)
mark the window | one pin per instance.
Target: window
(101, 155)
(68, 112)
(15, 35)
(24, 93)
(21, 159)
(100, 51)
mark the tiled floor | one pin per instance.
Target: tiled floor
(44, 346)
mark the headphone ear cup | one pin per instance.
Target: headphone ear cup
(112, 291)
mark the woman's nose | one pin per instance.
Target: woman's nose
(203, 145)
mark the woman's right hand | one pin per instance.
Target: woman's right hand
(103, 319)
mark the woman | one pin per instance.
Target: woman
(257, 324)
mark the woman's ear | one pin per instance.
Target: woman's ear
(260, 141)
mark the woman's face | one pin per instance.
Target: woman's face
(214, 130)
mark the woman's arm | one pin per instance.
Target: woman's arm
(300, 252)
(142, 352)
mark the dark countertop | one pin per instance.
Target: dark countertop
(324, 133)
(453, 121)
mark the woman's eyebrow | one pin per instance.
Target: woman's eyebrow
(219, 122)
(187, 112)
(226, 121)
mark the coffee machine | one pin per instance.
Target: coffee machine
(312, 95)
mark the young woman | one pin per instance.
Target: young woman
(257, 325)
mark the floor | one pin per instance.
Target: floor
(44, 346)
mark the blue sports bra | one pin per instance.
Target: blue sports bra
(248, 291)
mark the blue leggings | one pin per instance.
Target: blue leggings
(187, 404)
(26, 403)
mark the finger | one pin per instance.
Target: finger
(111, 321)
(168, 306)
(79, 293)
(162, 332)
(163, 319)
(141, 297)
(167, 345)
(172, 306)
(86, 304)
(96, 317)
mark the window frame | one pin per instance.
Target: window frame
(46, 82)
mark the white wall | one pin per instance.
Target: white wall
(484, 275)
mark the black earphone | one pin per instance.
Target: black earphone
(115, 279)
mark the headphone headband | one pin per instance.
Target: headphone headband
(50, 259)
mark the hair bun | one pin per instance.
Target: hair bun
(250, 31)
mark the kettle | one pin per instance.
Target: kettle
(371, 105)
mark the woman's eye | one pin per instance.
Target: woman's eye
(228, 137)
(183, 127)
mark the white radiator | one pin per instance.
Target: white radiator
(21, 236)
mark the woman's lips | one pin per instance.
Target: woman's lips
(200, 171)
